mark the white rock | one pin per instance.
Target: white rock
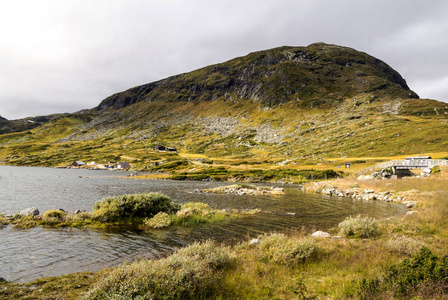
(321, 234)
(254, 242)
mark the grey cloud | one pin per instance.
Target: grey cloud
(68, 55)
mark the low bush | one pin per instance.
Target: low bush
(53, 216)
(280, 248)
(403, 245)
(193, 272)
(3, 220)
(132, 206)
(196, 213)
(24, 222)
(78, 219)
(424, 275)
(160, 220)
(359, 227)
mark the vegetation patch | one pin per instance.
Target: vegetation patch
(423, 275)
(191, 213)
(359, 227)
(129, 207)
(193, 272)
(246, 189)
(257, 175)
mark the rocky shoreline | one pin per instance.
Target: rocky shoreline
(356, 192)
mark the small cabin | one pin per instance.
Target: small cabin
(348, 165)
(123, 166)
(78, 164)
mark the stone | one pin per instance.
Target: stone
(3, 280)
(366, 177)
(409, 204)
(321, 234)
(369, 191)
(78, 211)
(31, 211)
(254, 242)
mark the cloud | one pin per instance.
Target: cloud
(63, 56)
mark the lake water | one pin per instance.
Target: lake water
(40, 252)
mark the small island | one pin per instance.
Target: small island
(144, 211)
(244, 189)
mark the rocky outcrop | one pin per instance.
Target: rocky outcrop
(274, 77)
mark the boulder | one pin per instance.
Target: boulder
(254, 242)
(369, 191)
(321, 234)
(3, 280)
(31, 211)
(409, 204)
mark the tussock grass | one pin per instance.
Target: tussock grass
(359, 227)
(189, 214)
(193, 272)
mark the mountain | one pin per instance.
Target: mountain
(317, 75)
(288, 105)
(9, 126)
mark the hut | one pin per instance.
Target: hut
(78, 164)
(123, 166)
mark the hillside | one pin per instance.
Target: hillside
(288, 106)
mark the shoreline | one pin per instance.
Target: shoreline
(340, 186)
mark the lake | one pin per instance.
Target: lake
(41, 252)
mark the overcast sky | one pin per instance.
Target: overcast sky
(64, 55)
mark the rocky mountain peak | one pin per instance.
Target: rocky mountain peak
(317, 75)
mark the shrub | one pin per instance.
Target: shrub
(3, 220)
(81, 218)
(160, 220)
(359, 227)
(196, 212)
(279, 248)
(423, 275)
(193, 272)
(133, 206)
(436, 169)
(24, 223)
(53, 216)
(403, 244)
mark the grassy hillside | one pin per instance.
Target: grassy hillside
(289, 107)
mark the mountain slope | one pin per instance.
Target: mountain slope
(288, 105)
(315, 74)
